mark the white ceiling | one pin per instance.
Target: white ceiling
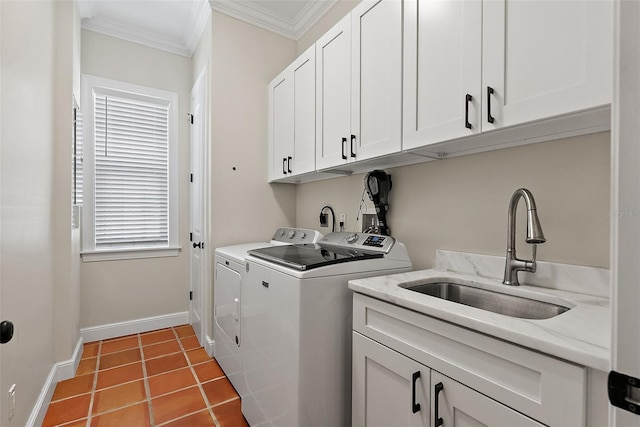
(176, 25)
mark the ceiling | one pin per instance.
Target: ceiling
(176, 25)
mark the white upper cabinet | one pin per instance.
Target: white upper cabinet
(442, 71)
(473, 66)
(292, 118)
(359, 85)
(545, 58)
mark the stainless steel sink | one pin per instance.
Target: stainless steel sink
(496, 302)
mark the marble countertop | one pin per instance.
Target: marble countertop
(581, 335)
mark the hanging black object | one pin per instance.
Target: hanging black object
(378, 185)
(6, 331)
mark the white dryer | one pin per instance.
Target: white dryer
(297, 326)
(229, 275)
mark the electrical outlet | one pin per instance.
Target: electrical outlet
(343, 219)
(324, 221)
(12, 401)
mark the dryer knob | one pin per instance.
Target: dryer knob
(352, 238)
(303, 235)
(291, 234)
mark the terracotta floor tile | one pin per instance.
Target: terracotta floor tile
(87, 366)
(190, 343)
(132, 416)
(165, 364)
(230, 414)
(119, 375)
(171, 381)
(162, 349)
(219, 390)
(67, 410)
(175, 405)
(208, 371)
(201, 419)
(119, 345)
(157, 336)
(120, 358)
(118, 397)
(198, 355)
(184, 331)
(73, 387)
(90, 350)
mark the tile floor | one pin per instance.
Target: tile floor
(160, 378)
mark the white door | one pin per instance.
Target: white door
(545, 58)
(376, 78)
(460, 406)
(625, 229)
(198, 249)
(333, 96)
(442, 71)
(304, 111)
(389, 389)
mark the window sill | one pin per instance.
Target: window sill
(136, 253)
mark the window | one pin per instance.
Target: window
(130, 187)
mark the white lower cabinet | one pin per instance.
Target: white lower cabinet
(390, 390)
(410, 369)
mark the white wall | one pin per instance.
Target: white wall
(117, 291)
(33, 201)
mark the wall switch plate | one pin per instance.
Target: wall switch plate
(12, 401)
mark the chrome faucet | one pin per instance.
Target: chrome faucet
(534, 236)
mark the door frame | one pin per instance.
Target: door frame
(205, 337)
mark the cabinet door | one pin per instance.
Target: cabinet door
(385, 387)
(442, 65)
(304, 112)
(460, 406)
(545, 58)
(333, 95)
(280, 125)
(376, 82)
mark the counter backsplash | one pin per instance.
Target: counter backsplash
(566, 277)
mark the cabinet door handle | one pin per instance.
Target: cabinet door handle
(437, 421)
(289, 164)
(284, 161)
(468, 99)
(353, 140)
(490, 118)
(415, 407)
(344, 148)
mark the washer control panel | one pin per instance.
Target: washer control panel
(364, 241)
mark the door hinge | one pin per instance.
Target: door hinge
(191, 237)
(190, 295)
(624, 392)
(191, 177)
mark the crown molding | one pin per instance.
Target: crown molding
(267, 20)
(199, 14)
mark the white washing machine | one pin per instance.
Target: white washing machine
(297, 321)
(227, 298)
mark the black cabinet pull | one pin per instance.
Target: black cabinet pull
(436, 418)
(344, 148)
(353, 140)
(289, 164)
(490, 118)
(284, 161)
(6, 331)
(415, 407)
(468, 99)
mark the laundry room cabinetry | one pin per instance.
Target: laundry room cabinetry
(292, 119)
(408, 365)
(477, 66)
(359, 85)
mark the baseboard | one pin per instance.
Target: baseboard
(59, 372)
(113, 330)
(209, 345)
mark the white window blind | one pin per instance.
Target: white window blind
(78, 159)
(131, 172)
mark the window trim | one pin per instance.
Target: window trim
(91, 84)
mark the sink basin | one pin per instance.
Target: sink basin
(496, 302)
